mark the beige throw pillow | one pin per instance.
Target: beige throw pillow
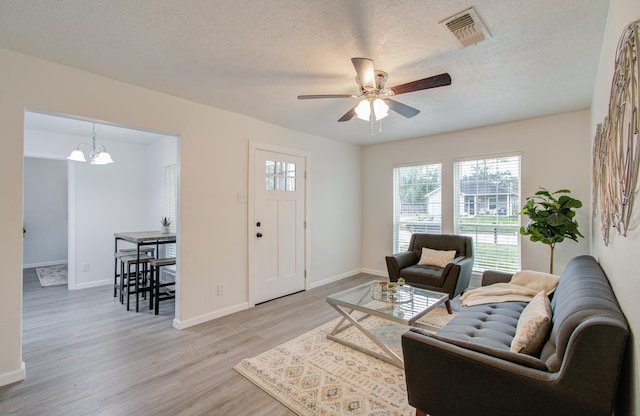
(533, 326)
(438, 258)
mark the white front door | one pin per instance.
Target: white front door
(278, 224)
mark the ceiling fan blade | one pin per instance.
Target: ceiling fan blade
(349, 114)
(423, 84)
(312, 97)
(402, 109)
(366, 74)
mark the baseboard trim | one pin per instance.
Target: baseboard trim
(376, 272)
(13, 376)
(87, 285)
(178, 324)
(333, 279)
(43, 264)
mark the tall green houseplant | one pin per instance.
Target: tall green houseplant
(551, 220)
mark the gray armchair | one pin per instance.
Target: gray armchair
(452, 279)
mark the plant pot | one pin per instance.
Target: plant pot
(164, 229)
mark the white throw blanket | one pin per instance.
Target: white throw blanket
(524, 285)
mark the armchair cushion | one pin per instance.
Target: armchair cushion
(426, 275)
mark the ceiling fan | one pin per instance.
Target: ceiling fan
(375, 98)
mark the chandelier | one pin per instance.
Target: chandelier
(98, 154)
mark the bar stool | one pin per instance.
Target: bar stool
(149, 251)
(137, 279)
(156, 295)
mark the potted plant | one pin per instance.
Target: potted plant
(551, 220)
(165, 223)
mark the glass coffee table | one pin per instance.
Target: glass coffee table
(405, 306)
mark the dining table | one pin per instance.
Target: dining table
(143, 239)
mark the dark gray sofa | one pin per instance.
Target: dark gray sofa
(467, 368)
(452, 279)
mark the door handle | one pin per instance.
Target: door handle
(259, 235)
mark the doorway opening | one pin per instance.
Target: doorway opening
(128, 195)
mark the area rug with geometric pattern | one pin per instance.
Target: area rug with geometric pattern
(52, 275)
(313, 375)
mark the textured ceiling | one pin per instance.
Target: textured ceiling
(254, 57)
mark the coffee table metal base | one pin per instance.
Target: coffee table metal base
(391, 357)
(358, 299)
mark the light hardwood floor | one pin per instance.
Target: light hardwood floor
(85, 355)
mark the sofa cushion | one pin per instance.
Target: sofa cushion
(438, 258)
(492, 324)
(522, 359)
(533, 326)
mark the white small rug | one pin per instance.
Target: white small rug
(312, 375)
(52, 275)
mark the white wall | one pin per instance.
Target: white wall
(554, 156)
(107, 199)
(620, 259)
(213, 151)
(45, 212)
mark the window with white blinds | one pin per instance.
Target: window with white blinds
(417, 202)
(487, 201)
(171, 203)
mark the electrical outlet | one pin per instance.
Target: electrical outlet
(242, 197)
(86, 267)
(220, 290)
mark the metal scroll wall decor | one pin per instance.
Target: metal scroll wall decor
(616, 146)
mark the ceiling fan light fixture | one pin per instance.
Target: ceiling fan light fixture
(363, 110)
(380, 109)
(377, 106)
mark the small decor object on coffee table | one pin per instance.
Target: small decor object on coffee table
(389, 292)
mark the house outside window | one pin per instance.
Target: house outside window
(417, 202)
(487, 194)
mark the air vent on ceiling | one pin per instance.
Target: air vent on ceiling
(466, 27)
